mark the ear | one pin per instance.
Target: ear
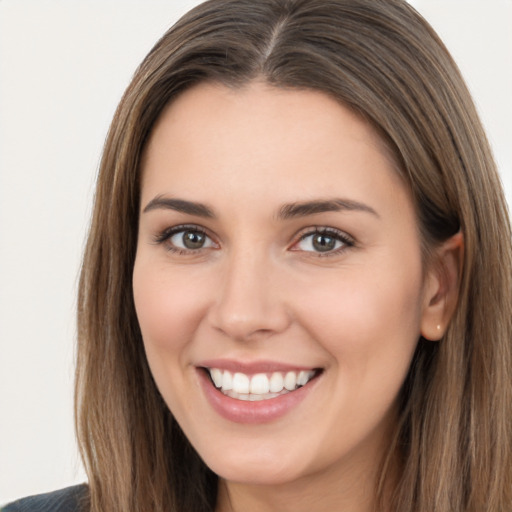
(441, 290)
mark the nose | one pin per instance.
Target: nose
(250, 303)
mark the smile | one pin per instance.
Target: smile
(256, 392)
(260, 386)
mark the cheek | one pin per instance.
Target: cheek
(366, 319)
(169, 305)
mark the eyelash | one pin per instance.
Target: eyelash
(168, 233)
(339, 236)
(346, 240)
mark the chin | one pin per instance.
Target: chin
(257, 466)
(249, 474)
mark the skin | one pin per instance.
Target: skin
(258, 290)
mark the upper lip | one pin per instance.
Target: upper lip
(252, 367)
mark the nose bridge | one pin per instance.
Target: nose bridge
(249, 300)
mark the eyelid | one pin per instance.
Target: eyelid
(347, 240)
(166, 234)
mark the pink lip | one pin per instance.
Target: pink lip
(253, 367)
(241, 411)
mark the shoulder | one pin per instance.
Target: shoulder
(70, 499)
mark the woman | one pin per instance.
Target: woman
(296, 289)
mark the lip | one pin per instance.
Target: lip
(247, 412)
(253, 367)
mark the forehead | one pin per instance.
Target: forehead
(217, 141)
(201, 104)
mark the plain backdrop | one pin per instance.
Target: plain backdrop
(63, 67)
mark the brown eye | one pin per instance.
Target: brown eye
(186, 239)
(192, 239)
(323, 241)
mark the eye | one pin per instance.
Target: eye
(323, 241)
(185, 239)
(190, 239)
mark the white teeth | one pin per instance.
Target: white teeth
(216, 377)
(276, 382)
(227, 381)
(241, 383)
(260, 386)
(303, 378)
(290, 381)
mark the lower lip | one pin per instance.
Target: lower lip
(262, 411)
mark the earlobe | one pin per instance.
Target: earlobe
(442, 287)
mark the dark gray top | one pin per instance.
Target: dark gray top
(70, 499)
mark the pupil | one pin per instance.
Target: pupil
(324, 243)
(193, 239)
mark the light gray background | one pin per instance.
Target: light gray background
(63, 68)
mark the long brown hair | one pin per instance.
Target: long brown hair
(381, 59)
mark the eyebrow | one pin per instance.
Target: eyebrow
(303, 209)
(287, 211)
(179, 205)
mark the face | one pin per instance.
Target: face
(278, 281)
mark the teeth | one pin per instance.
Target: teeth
(241, 383)
(260, 386)
(216, 377)
(303, 378)
(227, 381)
(290, 381)
(276, 382)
